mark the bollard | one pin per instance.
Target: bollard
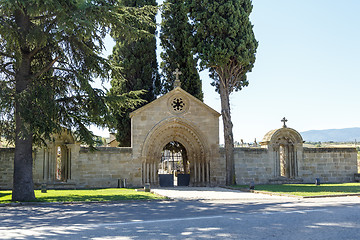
(147, 187)
(43, 188)
(252, 185)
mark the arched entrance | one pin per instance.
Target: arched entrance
(286, 146)
(286, 158)
(63, 166)
(57, 160)
(177, 136)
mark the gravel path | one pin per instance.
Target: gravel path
(224, 195)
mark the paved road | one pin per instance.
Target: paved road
(222, 218)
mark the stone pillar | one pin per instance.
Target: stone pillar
(207, 169)
(52, 164)
(195, 173)
(146, 173)
(45, 164)
(203, 172)
(295, 163)
(199, 172)
(288, 161)
(153, 173)
(274, 156)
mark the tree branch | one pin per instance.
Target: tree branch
(37, 49)
(45, 69)
(4, 22)
(64, 69)
(42, 17)
(6, 55)
(221, 74)
(72, 98)
(3, 68)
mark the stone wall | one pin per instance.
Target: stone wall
(358, 161)
(6, 167)
(99, 169)
(328, 164)
(102, 168)
(252, 164)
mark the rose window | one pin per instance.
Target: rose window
(177, 104)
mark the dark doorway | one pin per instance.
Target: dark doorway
(62, 163)
(174, 167)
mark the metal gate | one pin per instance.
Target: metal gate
(183, 179)
(166, 180)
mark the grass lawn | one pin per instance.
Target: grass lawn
(309, 189)
(110, 194)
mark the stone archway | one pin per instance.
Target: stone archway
(179, 130)
(62, 162)
(57, 160)
(286, 146)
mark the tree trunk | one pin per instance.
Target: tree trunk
(228, 133)
(23, 185)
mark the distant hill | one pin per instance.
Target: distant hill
(335, 135)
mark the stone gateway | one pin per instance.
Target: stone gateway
(177, 117)
(175, 141)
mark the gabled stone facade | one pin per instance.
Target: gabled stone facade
(178, 116)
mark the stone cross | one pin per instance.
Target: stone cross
(177, 82)
(284, 120)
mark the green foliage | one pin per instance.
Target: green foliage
(50, 52)
(176, 40)
(103, 195)
(224, 40)
(136, 60)
(61, 41)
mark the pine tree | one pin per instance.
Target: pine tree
(50, 52)
(139, 71)
(225, 43)
(175, 36)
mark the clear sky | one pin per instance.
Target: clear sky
(307, 69)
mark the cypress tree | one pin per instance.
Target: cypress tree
(175, 36)
(136, 59)
(225, 43)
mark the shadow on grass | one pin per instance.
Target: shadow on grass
(89, 198)
(96, 195)
(3, 194)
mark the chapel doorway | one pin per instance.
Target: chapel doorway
(286, 148)
(175, 148)
(174, 167)
(287, 160)
(62, 172)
